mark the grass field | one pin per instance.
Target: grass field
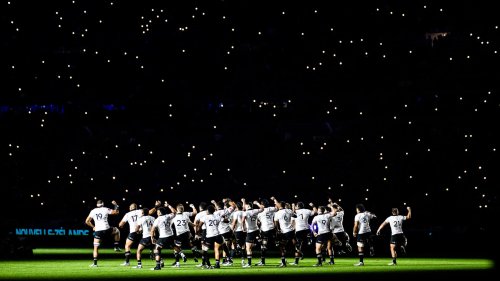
(66, 264)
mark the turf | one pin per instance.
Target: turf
(72, 264)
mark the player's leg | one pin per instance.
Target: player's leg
(329, 246)
(128, 246)
(263, 247)
(116, 236)
(205, 246)
(226, 246)
(139, 255)
(248, 247)
(157, 252)
(217, 251)
(319, 252)
(97, 243)
(283, 243)
(361, 249)
(393, 253)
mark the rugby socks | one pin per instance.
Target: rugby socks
(127, 256)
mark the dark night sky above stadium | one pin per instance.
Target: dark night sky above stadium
(388, 103)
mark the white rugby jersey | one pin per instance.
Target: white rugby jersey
(181, 222)
(238, 217)
(100, 217)
(302, 219)
(132, 217)
(199, 216)
(396, 223)
(266, 218)
(146, 223)
(163, 223)
(323, 223)
(364, 222)
(224, 227)
(251, 219)
(212, 223)
(337, 222)
(284, 217)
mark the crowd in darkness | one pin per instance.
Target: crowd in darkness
(200, 100)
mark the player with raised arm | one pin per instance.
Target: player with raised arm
(213, 238)
(224, 209)
(284, 228)
(362, 231)
(166, 235)
(131, 218)
(397, 236)
(201, 236)
(98, 221)
(340, 237)
(239, 231)
(301, 225)
(182, 222)
(250, 224)
(267, 231)
(144, 225)
(323, 234)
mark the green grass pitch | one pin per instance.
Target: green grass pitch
(66, 264)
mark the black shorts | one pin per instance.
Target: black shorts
(302, 235)
(398, 239)
(364, 238)
(240, 237)
(134, 236)
(286, 237)
(251, 236)
(269, 235)
(209, 241)
(183, 239)
(342, 237)
(101, 234)
(145, 241)
(228, 236)
(324, 238)
(165, 242)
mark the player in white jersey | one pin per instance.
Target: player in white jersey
(224, 210)
(239, 231)
(144, 225)
(166, 235)
(286, 232)
(213, 238)
(301, 225)
(199, 238)
(101, 228)
(131, 218)
(249, 222)
(267, 231)
(397, 236)
(362, 231)
(340, 237)
(323, 234)
(183, 236)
